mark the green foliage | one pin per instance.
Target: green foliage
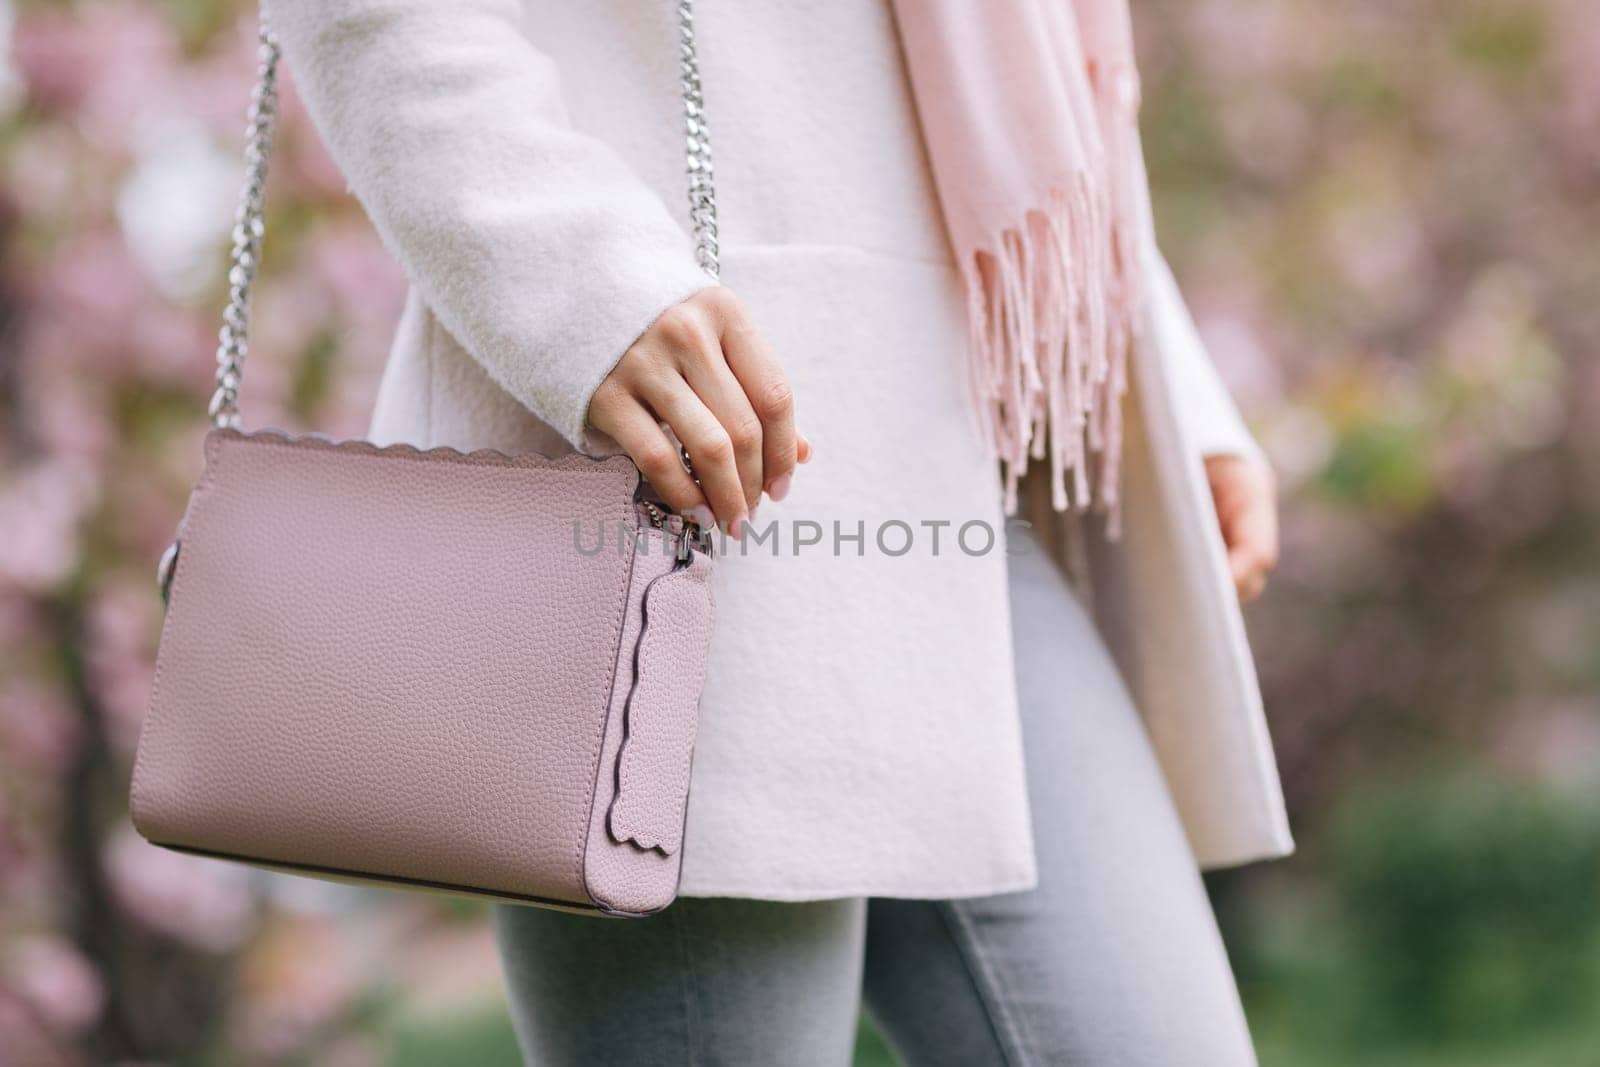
(1380, 464)
(314, 376)
(1363, 87)
(1449, 919)
(871, 1049)
(482, 1039)
(1470, 903)
(1506, 38)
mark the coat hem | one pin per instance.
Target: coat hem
(792, 895)
(1280, 846)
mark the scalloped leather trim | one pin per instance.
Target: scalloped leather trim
(663, 713)
(477, 457)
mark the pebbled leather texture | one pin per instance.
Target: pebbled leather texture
(395, 665)
(622, 876)
(662, 713)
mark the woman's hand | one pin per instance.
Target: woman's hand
(1245, 493)
(702, 369)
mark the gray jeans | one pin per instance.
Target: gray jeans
(1114, 959)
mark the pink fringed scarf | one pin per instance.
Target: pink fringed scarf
(1030, 113)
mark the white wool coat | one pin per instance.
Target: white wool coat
(523, 159)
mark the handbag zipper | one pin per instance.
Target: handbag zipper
(653, 514)
(690, 535)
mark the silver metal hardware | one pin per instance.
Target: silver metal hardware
(702, 177)
(166, 569)
(688, 463)
(248, 226)
(690, 535)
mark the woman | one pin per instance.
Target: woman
(860, 812)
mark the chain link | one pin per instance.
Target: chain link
(702, 179)
(248, 226)
(249, 221)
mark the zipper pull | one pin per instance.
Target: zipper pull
(689, 533)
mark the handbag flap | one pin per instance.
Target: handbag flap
(389, 661)
(663, 712)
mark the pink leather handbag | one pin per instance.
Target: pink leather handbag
(472, 673)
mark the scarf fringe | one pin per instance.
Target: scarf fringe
(1053, 312)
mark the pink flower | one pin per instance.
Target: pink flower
(307, 162)
(38, 727)
(217, 90)
(1577, 106)
(1236, 46)
(103, 62)
(1383, 252)
(18, 619)
(301, 974)
(43, 171)
(368, 286)
(93, 288)
(57, 980)
(55, 58)
(93, 308)
(1270, 133)
(1236, 346)
(1558, 741)
(123, 621)
(39, 514)
(202, 902)
(15, 860)
(67, 414)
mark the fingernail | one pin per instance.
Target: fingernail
(736, 527)
(701, 517)
(779, 487)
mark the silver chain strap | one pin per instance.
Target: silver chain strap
(702, 179)
(248, 226)
(249, 222)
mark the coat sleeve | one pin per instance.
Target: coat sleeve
(535, 246)
(1208, 413)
